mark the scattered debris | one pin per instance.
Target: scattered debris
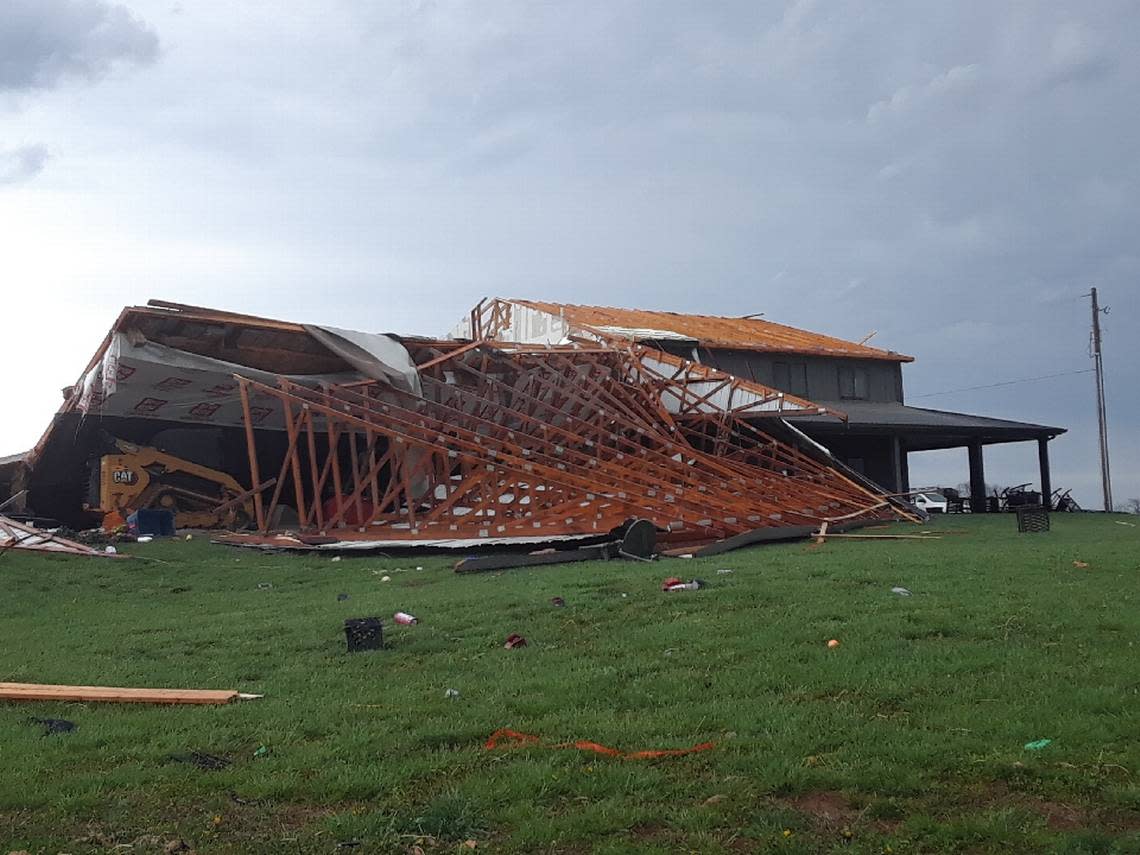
(557, 602)
(833, 643)
(264, 586)
(110, 550)
(516, 738)
(724, 571)
(261, 751)
(54, 725)
(1122, 522)
(715, 799)
(902, 592)
(385, 578)
(145, 538)
(1081, 564)
(514, 640)
(14, 535)
(48, 692)
(1038, 744)
(405, 618)
(364, 634)
(675, 584)
(175, 846)
(451, 694)
(341, 597)
(202, 760)
(336, 558)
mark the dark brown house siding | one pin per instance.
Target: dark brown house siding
(817, 378)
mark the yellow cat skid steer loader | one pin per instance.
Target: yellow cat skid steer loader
(142, 477)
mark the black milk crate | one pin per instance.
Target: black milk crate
(365, 633)
(1032, 518)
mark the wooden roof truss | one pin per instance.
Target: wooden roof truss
(525, 441)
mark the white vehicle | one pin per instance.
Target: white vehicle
(931, 502)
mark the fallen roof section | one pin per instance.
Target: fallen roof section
(509, 442)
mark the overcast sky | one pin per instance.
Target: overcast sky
(953, 176)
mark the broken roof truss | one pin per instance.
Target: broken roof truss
(513, 442)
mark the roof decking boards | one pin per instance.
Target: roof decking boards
(646, 325)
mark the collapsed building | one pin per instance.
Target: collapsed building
(530, 423)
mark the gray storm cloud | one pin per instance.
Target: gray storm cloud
(21, 163)
(45, 42)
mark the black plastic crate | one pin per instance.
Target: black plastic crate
(1032, 518)
(365, 633)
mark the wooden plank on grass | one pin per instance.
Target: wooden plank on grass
(111, 694)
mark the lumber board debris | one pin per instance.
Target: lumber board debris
(115, 694)
(17, 536)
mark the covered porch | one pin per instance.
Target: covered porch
(878, 436)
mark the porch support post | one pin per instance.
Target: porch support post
(897, 459)
(905, 469)
(1043, 462)
(977, 479)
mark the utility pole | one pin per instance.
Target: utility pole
(1105, 476)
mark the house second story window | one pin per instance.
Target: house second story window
(790, 377)
(853, 383)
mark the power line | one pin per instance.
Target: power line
(1003, 383)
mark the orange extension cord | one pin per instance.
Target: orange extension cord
(505, 734)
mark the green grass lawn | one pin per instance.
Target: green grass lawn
(909, 737)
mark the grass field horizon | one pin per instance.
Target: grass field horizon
(908, 737)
